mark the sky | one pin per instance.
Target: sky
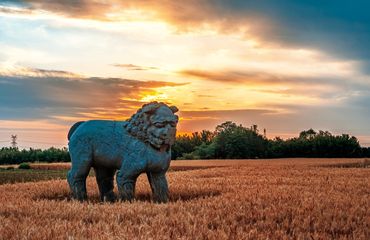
(286, 66)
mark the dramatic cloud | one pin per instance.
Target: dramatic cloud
(321, 87)
(340, 27)
(249, 78)
(40, 94)
(284, 65)
(109, 11)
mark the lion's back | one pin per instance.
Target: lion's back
(103, 140)
(98, 129)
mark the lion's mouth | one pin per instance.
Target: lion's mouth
(159, 142)
(161, 147)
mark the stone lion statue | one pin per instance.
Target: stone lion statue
(140, 144)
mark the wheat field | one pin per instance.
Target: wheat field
(229, 199)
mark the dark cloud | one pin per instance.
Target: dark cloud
(12, 2)
(45, 93)
(339, 27)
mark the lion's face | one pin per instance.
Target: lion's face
(155, 123)
(162, 129)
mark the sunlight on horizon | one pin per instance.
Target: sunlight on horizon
(104, 61)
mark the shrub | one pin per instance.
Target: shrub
(24, 166)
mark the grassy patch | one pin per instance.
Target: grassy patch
(31, 175)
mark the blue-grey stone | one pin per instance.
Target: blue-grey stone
(141, 144)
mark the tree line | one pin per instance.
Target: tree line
(227, 141)
(13, 155)
(232, 141)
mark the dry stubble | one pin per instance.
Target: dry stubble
(275, 199)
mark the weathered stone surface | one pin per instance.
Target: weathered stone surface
(140, 144)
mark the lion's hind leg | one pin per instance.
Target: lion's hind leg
(76, 177)
(104, 178)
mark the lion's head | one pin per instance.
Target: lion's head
(154, 123)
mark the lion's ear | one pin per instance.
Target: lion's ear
(174, 109)
(150, 108)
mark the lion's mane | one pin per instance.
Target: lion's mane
(139, 122)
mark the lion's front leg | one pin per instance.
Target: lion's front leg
(126, 187)
(126, 179)
(159, 186)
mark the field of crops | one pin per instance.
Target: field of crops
(229, 199)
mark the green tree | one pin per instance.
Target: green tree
(236, 142)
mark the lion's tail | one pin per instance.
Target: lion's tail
(73, 129)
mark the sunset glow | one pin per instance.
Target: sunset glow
(248, 63)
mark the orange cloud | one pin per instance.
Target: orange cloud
(261, 78)
(184, 15)
(95, 9)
